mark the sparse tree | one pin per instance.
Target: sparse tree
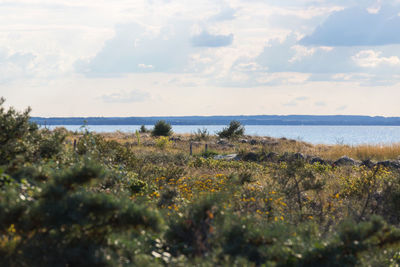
(143, 129)
(234, 130)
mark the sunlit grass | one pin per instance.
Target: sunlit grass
(331, 152)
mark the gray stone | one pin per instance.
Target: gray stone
(253, 142)
(368, 163)
(389, 164)
(227, 157)
(298, 156)
(317, 160)
(285, 157)
(345, 161)
(271, 157)
(222, 142)
(251, 156)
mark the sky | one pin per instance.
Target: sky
(209, 57)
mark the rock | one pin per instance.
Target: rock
(367, 163)
(222, 142)
(271, 157)
(227, 157)
(345, 161)
(290, 157)
(389, 164)
(317, 160)
(244, 141)
(285, 157)
(298, 156)
(253, 142)
(251, 156)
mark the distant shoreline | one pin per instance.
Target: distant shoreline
(294, 120)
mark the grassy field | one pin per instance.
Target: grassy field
(137, 200)
(278, 145)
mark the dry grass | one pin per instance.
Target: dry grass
(268, 144)
(361, 152)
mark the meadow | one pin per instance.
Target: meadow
(118, 199)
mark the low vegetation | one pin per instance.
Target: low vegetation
(85, 199)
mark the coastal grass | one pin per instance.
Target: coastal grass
(377, 152)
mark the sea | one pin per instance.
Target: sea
(330, 135)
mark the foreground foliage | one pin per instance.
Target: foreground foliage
(107, 202)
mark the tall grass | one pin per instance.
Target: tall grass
(375, 152)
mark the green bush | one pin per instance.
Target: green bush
(21, 139)
(143, 129)
(163, 142)
(51, 143)
(234, 130)
(209, 153)
(162, 128)
(63, 224)
(201, 135)
(192, 233)
(18, 136)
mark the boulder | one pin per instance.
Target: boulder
(222, 142)
(318, 160)
(298, 156)
(285, 157)
(271, 157)
(345, 161)
(227, 157)
(251, 156)
(389, 164)
(368, 163)
(253, 142)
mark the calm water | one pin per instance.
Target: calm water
(351, 135)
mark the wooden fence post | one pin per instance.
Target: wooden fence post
(74, 145)
(206, 148)
(191, 148)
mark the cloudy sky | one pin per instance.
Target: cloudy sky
(208, 57)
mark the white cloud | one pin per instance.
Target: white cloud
(282, 78)
(15, 65)
(144, 66)
(301, 52)
(211, 51)
(372, 59)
